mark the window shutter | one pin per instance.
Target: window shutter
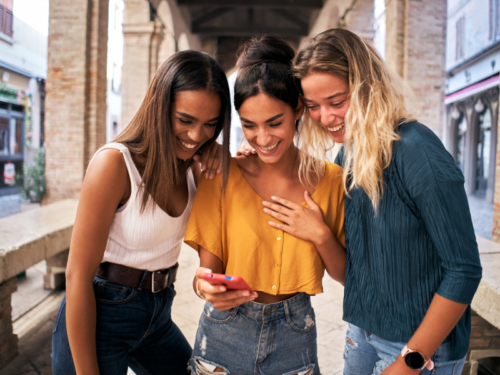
(2, 17)
(9, 22)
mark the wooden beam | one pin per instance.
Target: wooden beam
(310, 4)
(291, 17)
(246, 30)
(198, 22)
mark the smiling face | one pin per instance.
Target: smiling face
(194, 117)
(327, 98)
(269, 125)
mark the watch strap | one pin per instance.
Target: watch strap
(429, 364)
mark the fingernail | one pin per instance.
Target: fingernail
(266, 210)
(273, 198)
(208, 271)
(253, 150)
(270, 223)
(203, 167)
(245, 293)
(222, 289)
(265, 203)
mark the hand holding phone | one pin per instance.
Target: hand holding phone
(222, 293)
(230, 282)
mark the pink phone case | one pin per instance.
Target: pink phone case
(230, 282)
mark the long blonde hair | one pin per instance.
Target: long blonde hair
(378, 99)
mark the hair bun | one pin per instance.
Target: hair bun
(265, 48)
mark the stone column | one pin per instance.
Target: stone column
(140, 54)
(55, 278)
(415, 48)
(76, 92)
(8, 340)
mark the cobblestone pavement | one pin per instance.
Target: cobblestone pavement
(34, 328)
(10, 205)
(482, 217)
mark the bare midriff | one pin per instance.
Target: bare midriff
(266, 298)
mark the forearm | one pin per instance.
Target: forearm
(441, 317)
(333, 255)
(81, 326)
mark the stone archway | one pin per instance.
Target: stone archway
(168, 45)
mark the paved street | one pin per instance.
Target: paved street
(35, 326)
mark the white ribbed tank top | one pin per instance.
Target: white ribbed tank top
(150, 240)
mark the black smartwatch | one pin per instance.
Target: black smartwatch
(416, 360)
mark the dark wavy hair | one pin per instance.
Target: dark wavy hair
(150, 131)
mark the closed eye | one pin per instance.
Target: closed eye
(184, 121)
(275, 125)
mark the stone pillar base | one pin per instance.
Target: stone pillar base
(8, 340)
(55, 278)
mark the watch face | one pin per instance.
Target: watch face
(415, 360)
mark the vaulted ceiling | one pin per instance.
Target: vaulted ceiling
(288, 18)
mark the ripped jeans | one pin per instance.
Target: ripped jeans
(254, 338)
(367, 354)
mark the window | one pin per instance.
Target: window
(483, 150)
(6, 17)
(497, 17)
(10, 136)
(461, 135)
(491, 30)
(460, 42)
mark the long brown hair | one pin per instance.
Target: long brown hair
(378, 105)
(149, 133)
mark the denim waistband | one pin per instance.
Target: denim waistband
(272, 311)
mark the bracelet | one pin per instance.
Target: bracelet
(198, 290)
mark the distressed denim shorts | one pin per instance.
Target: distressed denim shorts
(367, 354)
(254, 338)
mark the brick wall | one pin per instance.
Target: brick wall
(483, 336)
(416, 48)
(76, 92)
(8, 340)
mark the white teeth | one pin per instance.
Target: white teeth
(336, 128)
(270, 148)
(187, 145)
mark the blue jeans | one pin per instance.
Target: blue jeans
(274, 339)
(367, 354)
(134, 329)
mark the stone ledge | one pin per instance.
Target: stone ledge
(30, 237)
(486, 302)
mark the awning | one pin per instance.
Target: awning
(473, 89)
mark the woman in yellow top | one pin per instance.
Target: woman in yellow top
(271, 330)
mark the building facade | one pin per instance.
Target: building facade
(23, 69)
(473, 66)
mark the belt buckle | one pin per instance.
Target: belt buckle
(153, 283)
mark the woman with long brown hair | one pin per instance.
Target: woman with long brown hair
(132, 215)
(412, 263)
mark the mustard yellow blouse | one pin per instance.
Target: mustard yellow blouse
(235, 228)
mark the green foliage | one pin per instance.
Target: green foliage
(33, 186)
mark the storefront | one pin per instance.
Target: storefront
(472, 122)
(12, 130)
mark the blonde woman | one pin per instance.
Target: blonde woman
(412, 263)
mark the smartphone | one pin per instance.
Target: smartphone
(230, 282)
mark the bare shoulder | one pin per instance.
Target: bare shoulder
(247, 163)
(108, 172)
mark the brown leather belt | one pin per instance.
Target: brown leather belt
(128, 276)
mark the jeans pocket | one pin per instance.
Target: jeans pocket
(302, 321)
(62, 310)
(109, 293)
(216, 316)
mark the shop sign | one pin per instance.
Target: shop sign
(9, 174)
